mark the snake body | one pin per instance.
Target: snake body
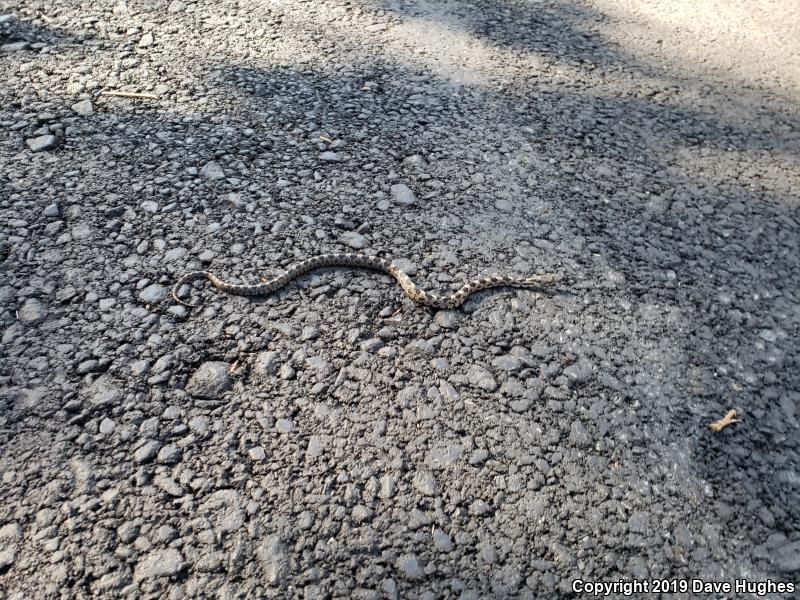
(374, 263)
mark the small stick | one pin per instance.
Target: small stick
(728, 419)
(129, 95)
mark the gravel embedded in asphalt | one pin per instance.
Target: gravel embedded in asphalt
(334, 439)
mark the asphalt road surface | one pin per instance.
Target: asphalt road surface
(334, 440)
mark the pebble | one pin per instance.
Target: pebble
(274, 559)
(480, 377)
(408, 267)
(507, 362)
(170, 455)
(147, 451)
(15, 46)
(199, 425)
(448, 392)
(354, 240)
(443, 456)
(42, 142)
(503, 205)
(146, 40)
(330, 157)
(408, 565)
(174, 254)
(127, 532)
(150, 206)
(7, 557)
(415, 160)
(786, 557)
(51, 210)
(403, 195)
(212, 170)
(425, 483)
(578, 436)
(210, 380)
(446, 319)
(159, 563)
(10, 532)
(257, 453)
(442, 541)
(478, 457)
(266, 364)
(104, 392)
(479, 508)
(153, 294)
(83, 108)
(32, 311)
(284, 425)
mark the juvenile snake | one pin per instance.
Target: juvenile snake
(375, 263)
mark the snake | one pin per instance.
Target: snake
(375, 263)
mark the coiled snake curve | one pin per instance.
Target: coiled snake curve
(374, 263)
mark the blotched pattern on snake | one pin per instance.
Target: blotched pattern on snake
(375, 263)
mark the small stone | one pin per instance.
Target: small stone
(210, 380)
(415, 160)
(169, 485)
(787, 557)
(51, 210)
(446, 319)
(147, 451)
(442, 541)
(257, 453)
(159, 563)
(146, 41)
(274, 560)
(503, 205)
(507, 362)
(150, 206)
(403, 195)
(83, 108)
(7, 557)
(10, 532)
(88, 366)
(105, 391)
(127, 532)
(479, 508)
(199, 425)
(330, 157)
(174, 254)
(284, 425)
(354, 240)
(361, 514)
(425, 483)
(32, 311)
(639, 522)
(15, 47)
(170, 455)
(578, 436)
(482, 378)
(266, 364)
(153, 294)
(212, 170)
(408, 565)
(388, 486)
(107, 426)
(42, 143)
(406, 266)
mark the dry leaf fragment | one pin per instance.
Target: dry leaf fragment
(728, 419)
